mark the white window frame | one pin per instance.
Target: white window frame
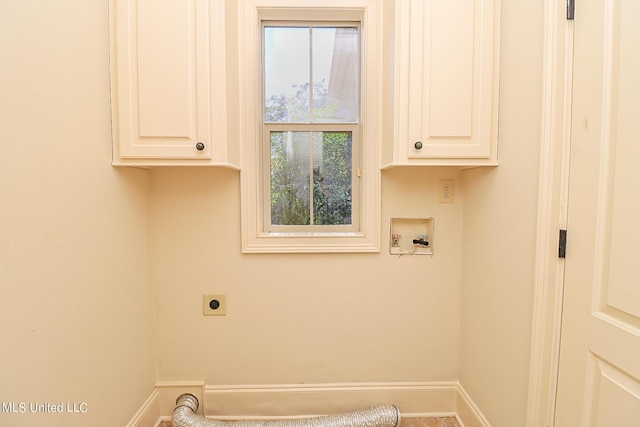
(255, 236)
(286, 230)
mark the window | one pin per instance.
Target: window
(311, 126)
(310, 173)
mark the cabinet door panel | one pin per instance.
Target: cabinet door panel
(447, 81)
(161, 86)
(166, 67)
(449, 70)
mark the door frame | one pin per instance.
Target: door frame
(553, 191)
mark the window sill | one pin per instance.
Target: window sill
(310, 243)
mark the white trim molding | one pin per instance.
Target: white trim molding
(171, 390)
(162, 401)
(552, 213)
(149, 413)
(283, 401)
(256, 238)
(467, 413)
(276, 401)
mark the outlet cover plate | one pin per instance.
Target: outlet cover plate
(446, 191)
(214, 305)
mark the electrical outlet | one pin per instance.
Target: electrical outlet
(214, 305)
(445, 191)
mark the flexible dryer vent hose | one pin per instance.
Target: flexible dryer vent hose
(184, 415)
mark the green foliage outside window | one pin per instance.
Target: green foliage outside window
(311, 178)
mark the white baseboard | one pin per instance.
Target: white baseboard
(278, 401)
(273, 401)
(148, 414)
(171, 390)
(467, 412)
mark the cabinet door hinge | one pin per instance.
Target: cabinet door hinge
(562, 244)
(571, 9)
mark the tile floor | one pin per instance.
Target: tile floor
(405, 422)
(429, 422)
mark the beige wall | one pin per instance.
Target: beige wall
(314, 318)
(75, 306)
(302, 318)
(499, 232)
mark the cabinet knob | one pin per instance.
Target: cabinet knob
(200, 146)
(418, 145)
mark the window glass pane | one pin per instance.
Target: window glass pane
(332, 178)
(335, 74)
(287, 63)
(311, 74)
(311, 178)
(290, 178)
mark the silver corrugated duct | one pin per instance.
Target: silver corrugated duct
(184, 415)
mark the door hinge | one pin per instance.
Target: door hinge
(562, 244)
(571, 9)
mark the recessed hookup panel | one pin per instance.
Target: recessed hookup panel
(411, 236)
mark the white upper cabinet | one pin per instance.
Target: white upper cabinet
(168, 83)
(445, 91)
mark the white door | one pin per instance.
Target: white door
(599, 376)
